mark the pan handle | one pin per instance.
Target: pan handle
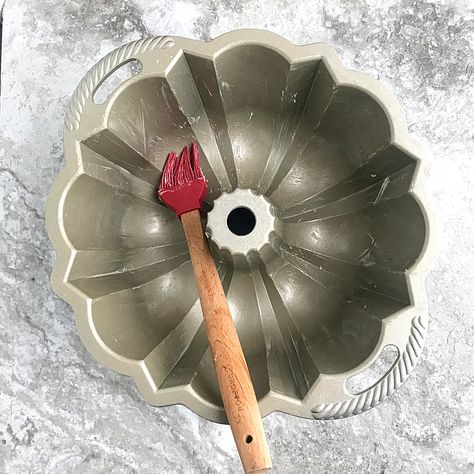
(384, 387)
(89, 84)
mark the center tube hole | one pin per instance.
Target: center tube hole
(241, 221)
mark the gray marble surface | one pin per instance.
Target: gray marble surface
(60, 412)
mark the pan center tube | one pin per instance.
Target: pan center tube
(241, 221)
(241, 227)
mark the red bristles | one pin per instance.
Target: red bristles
(183, 186)
(181, 169)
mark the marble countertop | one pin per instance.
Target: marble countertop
(60, 412)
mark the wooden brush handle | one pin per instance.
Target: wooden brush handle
(233, 375)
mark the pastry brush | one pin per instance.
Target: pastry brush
(183, 188)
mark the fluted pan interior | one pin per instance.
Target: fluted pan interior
(311, 294)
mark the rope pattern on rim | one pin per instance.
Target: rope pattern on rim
(386, 386)
(103, 68)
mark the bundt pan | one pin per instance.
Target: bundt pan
(315, 212)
